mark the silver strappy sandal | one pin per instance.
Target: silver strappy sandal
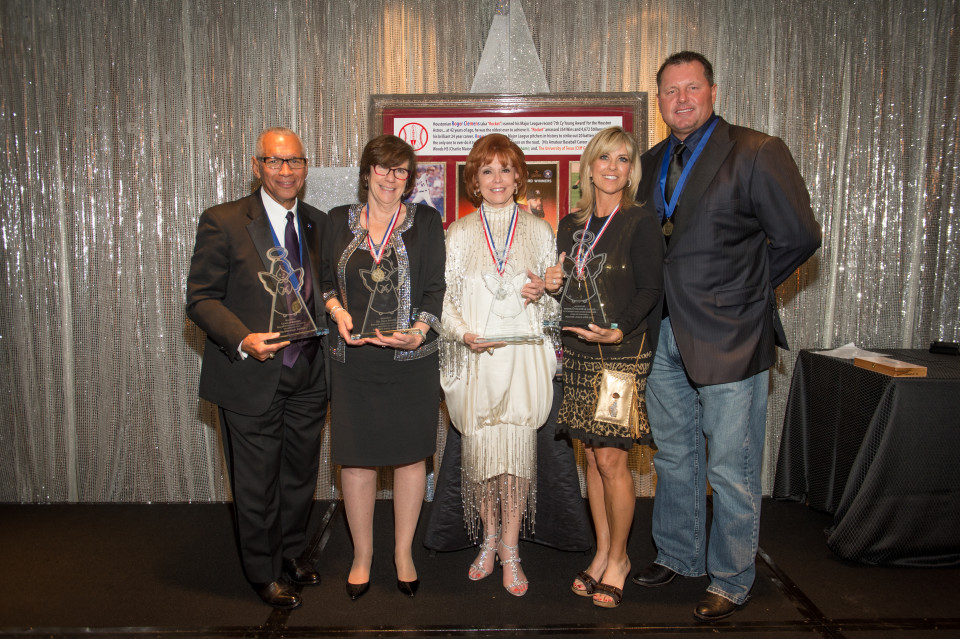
(519, 586)
(476, 568)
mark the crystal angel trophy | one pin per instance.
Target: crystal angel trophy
(288, 315)
(383, 303)
(581, 303)
(509, 320)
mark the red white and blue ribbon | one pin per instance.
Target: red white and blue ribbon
(378, 254)
(499, 260)
(583, 252)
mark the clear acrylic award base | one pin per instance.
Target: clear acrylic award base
(386, 332)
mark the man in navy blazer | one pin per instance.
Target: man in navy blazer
(272, 397)
(737, 222)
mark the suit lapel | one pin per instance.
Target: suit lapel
(714, 153)
(312, 256)
(312, 239)
(259, 228)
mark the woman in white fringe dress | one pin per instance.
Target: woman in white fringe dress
(498, 393)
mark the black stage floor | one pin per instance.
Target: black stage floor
(172, 571)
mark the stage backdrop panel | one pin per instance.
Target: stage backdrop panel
(121, 121)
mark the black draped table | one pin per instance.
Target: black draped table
(880, 453)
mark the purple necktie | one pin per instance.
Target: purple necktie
(309, 346)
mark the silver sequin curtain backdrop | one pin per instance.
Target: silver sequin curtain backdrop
(121, 121)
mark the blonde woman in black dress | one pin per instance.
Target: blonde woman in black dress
(616, 247)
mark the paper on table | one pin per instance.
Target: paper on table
(850, 351)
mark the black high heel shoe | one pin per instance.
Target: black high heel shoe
(409, 588)
(357, 590)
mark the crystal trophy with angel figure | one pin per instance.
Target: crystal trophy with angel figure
(289, 315)
(509, 320)
(581, 303)
(383, 302)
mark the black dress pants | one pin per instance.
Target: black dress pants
(273, 461)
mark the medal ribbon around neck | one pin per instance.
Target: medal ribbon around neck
(508, 242)
(670, 207)
(378, 255)
(580, 260)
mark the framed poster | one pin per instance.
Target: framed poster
(551, 129)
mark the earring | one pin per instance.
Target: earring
(516, 188)
(477, 193)
(629, 182)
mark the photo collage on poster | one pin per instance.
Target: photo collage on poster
(575, 193)
(430, 188)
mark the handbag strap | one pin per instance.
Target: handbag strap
(636, 362)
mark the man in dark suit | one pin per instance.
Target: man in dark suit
(272, 396)
(736, 218)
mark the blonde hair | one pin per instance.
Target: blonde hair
(607, 141)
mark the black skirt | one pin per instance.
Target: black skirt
(383, 412)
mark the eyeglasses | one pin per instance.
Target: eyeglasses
(275, 164)
(399, 173)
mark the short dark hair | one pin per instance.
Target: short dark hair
(388, 151)
(685, 57)
(490, 146)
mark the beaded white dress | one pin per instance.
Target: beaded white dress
(497, 400)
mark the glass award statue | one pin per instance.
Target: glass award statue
(383, 301)
(581, 303)
(289, 315)
(508, 319)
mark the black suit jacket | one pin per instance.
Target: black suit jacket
(227, 300)
(743, 224)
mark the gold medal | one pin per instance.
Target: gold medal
(296, 306)
(668, 228)
(378, 274)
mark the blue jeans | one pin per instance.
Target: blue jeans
(686, 420)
